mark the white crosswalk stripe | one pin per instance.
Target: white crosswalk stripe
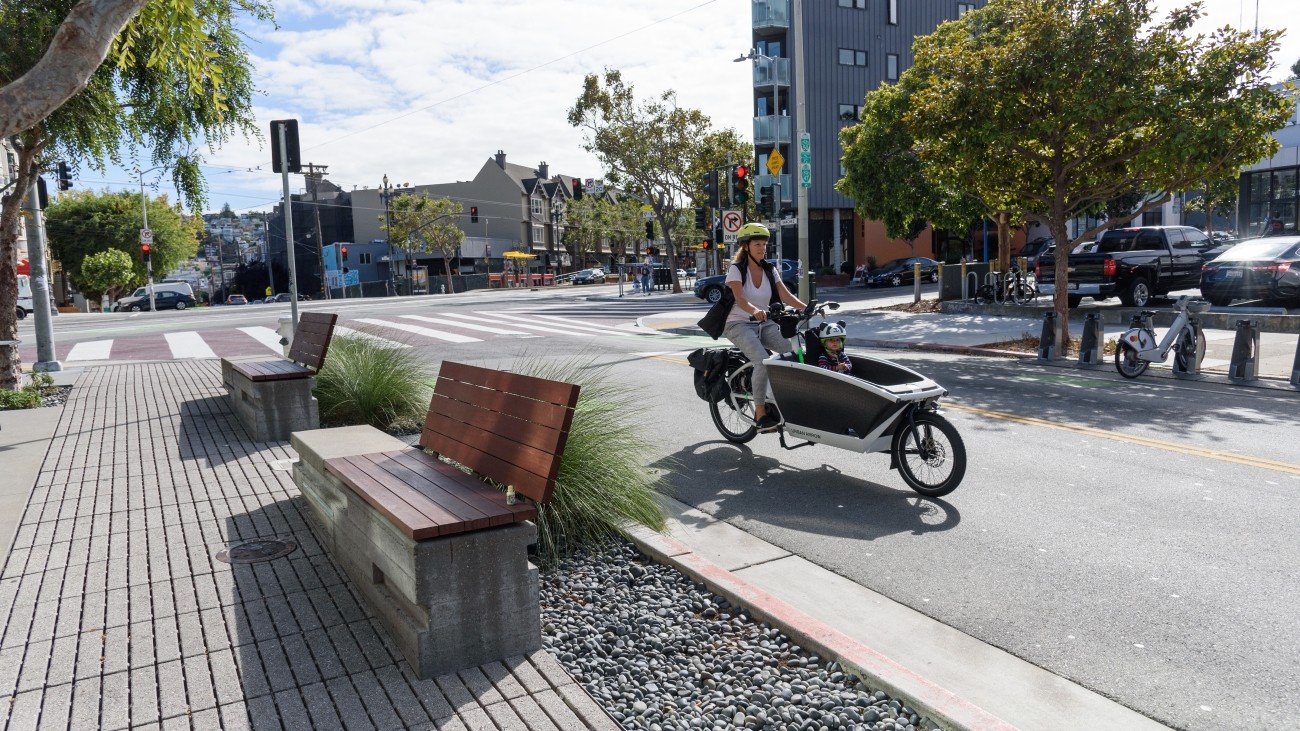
(524, 325)
(427, 332)
(188, 345)
(266, 336)
(599, 328)
(340, 330)
(465, 325)
(93, 350)
(569, 326)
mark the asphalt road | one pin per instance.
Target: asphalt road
(1136, 537)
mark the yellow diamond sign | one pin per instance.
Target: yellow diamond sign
(775, 161)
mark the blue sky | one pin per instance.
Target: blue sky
(426, 90)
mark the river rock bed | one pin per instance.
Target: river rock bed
(661, 652)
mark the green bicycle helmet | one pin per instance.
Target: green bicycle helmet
(752, 231)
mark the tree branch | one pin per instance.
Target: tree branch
(79, 47)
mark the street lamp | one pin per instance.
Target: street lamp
(387, 192)
(777, 202)
(144, 214)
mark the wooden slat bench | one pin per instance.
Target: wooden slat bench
(272, 398)
(441, 555)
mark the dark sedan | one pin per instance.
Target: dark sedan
(710, 288)
(1265, 269)
(165, 300)
(899, 272)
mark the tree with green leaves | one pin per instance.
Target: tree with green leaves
(651, 149)
(1295, 71)
(424, 224)
(1217, 198)
(121, 81)
(1049, 108)
(85, 223)
(108, 273)
(585, 227)
(885, 176)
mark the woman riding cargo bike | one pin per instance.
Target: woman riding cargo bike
(874, 406)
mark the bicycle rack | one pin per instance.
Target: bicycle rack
(1094, 333)
(1245, 350)
(967, 291)
(1047, 340)
(994, 280)
(1195, 368)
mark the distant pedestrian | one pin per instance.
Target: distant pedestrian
(1274, 227)
(645, 279)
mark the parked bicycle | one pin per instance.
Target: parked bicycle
(879, 407)
(1016, 287)
(1138, 348)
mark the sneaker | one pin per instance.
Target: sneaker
(767, 423)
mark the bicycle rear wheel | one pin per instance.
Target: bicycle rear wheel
(734, 415)
(1190, 350)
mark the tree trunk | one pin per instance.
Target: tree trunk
(1004, 242)
(10, 363)
(1060, 300)
(446, 266)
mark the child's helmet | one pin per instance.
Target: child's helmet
(830, 331)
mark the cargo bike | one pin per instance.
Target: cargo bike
(880, 407)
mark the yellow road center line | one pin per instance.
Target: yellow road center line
(1268, 464)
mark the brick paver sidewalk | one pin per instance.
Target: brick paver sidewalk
(116, 613)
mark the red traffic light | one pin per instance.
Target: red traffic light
(345, 252)
(741, 171)
(144, 249)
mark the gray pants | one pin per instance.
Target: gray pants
(754, 340)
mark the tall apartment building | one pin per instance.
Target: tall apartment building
(849, 48)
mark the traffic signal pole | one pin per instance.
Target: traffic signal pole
(801, 121)
(288, 226)
(45, 356)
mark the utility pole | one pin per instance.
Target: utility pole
(314, 175)
(801, 122)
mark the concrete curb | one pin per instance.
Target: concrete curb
(926, 697)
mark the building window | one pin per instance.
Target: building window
(539, 235)
(893, 12)
(963, 8)
(850, 112)
(850, 57)
(537, 206)
(891, 66)
(364, 257)
(859, 4)
(1151, 218)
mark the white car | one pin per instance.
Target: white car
(25, 307)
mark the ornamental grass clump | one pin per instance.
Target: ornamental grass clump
(367, 380)
(603, 481)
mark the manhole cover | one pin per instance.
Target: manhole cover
(256, 551)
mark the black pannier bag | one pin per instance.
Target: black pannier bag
(709, 365)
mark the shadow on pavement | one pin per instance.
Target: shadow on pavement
(732, 483)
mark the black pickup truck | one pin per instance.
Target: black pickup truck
(1134, 264)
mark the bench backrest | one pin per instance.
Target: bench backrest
(505, 426)
(312, 340)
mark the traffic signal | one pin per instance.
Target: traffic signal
(577, 189)
(699, 218)
(650, 230)
(473, 214)
(710, 181)
(740, 185)
(65, 176)
(345, 253)
(144, 250)
(765, 203)
(706, 244)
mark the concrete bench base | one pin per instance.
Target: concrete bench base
(449, 603)
(271, 410)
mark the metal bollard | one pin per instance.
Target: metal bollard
(1295, 366)
(1047, 341)
(1195, 368)
(286, 334)
(1245, 350)
(1094, 338)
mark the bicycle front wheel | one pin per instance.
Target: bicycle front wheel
(931, 454)
(734, 415)
(1127, 361)
(1021, 294)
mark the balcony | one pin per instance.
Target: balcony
(765, 70)
(771, 15)
(771, 130)
(787, 187)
